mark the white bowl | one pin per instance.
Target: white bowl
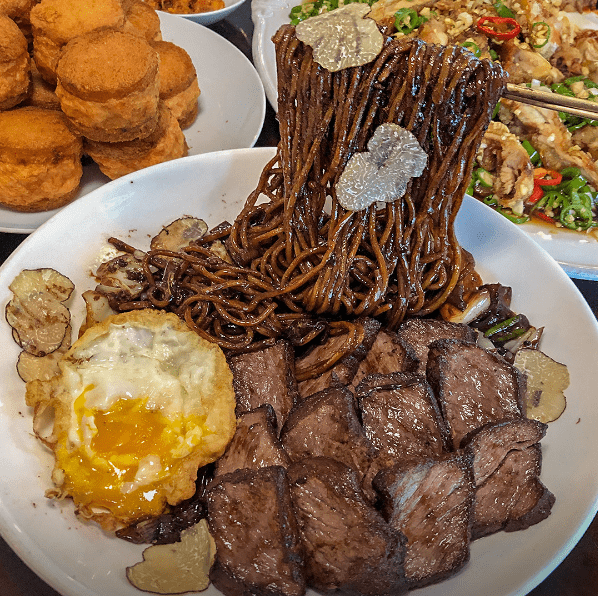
(208, 18)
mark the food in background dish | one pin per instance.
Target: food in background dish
(178, 82)
(40, 159)
(108, 86)
(14, 64)
(186, 6)
(117, 159)
(142, 19)
(56, 22)
(141, 402)
(16, 8)
(539, 46)
(109, 89)
(41, 93)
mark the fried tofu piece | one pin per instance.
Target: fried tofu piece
(41, 93)
(40, 159)
(118, 159)
(16, 9)
(179, 88)
(56, 22)
(14, 64)
(108, 86)
(141, 19)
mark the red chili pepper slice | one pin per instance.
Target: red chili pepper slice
(543, 217)
(540, 177)
(536, 195)
(490, 31)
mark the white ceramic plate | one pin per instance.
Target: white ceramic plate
(232, 107)
(80, 560)
(577, 253)
(208, 18)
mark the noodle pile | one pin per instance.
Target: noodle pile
(303, 264)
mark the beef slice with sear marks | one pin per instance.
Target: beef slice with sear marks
(349, 547)
(473, 386)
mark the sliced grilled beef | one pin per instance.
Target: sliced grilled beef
(251, 519)
(255, 443)
(473, 386)
(266, 377)
(507, 464)
(344, 370)
(326, 424)
(401, 417)
(349, 548)
(387, 355)
(418, 334)
(431, 503)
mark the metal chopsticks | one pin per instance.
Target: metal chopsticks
(553, 101)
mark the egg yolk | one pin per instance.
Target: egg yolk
(105, 471)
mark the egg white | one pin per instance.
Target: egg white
(141, 402)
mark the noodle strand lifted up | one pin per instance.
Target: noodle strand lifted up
(402, 259)
(302, 261)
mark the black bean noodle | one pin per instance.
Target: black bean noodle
(301, 264)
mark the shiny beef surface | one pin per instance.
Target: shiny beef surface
(349, 548)
(473, 386)
(257, 544)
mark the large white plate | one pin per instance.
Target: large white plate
(232, 107)
(80, 560)
(577, 253)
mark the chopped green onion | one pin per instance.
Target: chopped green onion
(562, 89)
(512, 335)
(575, 79)
(493, 54)
(502, 326)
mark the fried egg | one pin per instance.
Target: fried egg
(141, 402)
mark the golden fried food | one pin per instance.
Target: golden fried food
(41, 93)
(108, 85)
(142, 19)
(178, 82)
(165, 143)
(186, 6)
(40, 159)
(136, 371)
(56, 22)
(16, 8)
(14, 64)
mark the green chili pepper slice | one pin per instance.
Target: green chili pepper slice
(475, 49)
(534, 156)
(511, 217)
(502, 10)
(538, 24)
(406, 20)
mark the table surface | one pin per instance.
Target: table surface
(576, 576)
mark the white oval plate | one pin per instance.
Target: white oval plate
(80, 560)
(577, 253)
(232, 107)
(209, 18)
